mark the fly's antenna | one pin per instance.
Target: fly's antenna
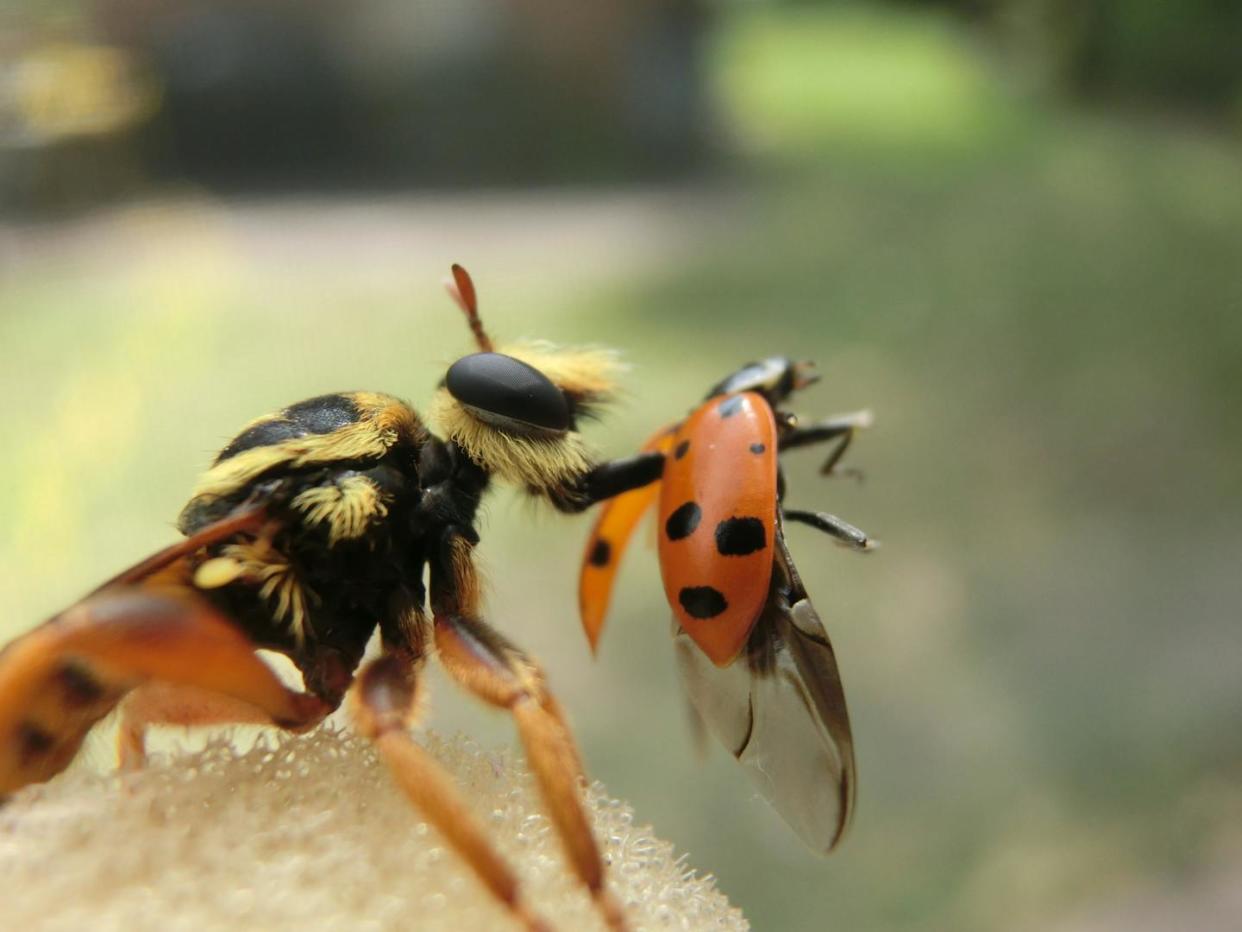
(461, 290)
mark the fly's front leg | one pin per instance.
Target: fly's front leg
(487, 664)
(841, 428)
(496, 671)
(385, 701)
(609, 480)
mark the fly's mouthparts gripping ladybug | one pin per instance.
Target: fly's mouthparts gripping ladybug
(759, 670)
(314, 527)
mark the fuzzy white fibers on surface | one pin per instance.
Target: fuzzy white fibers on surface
(310, 833)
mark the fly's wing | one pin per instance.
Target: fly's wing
(59, 679)
(249, 517)
(780, 710)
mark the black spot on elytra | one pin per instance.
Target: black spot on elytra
(601, 553)
(757, 448)
(736, 537)
(34, 740)
(682, 522)
(78, 685)
(730, 406)
(681, 450)
(702, 601)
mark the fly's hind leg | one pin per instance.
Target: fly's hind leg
(385, 701)
(60, 679)
(841, 428)
(487, 664)
(159, 703)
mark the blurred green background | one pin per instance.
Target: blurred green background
(1014, 229)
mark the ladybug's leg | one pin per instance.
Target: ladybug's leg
(842, 532)
(57, 681)
(385, 701)
(841, 428)
(491, 667)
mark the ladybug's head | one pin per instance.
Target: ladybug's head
(516, 412)
(776, 378)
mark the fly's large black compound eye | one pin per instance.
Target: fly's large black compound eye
(508, 393)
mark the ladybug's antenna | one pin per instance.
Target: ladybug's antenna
(461, 290)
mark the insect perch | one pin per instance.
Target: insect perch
(316, 525)
(755, 658)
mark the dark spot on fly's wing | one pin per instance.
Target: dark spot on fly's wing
(702, 601)
(737, 537)
(601, 553)
(34, 740)
(78, 685)
(682, 522)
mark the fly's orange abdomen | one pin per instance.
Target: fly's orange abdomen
(718, 521)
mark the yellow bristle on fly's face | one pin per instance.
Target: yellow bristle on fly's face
(535, 462)
(587, 378)
(587, 375)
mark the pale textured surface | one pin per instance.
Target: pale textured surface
(309, 833)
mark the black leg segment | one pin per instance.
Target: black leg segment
(610, 479)
(840, 531)
(841, 428)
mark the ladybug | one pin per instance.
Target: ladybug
(317, 526)
(754, 656)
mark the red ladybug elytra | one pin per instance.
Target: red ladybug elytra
(757, 663)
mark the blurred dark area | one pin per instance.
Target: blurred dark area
(1012, 228)
(379, 94)
(1149, 52)
(307, 94)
